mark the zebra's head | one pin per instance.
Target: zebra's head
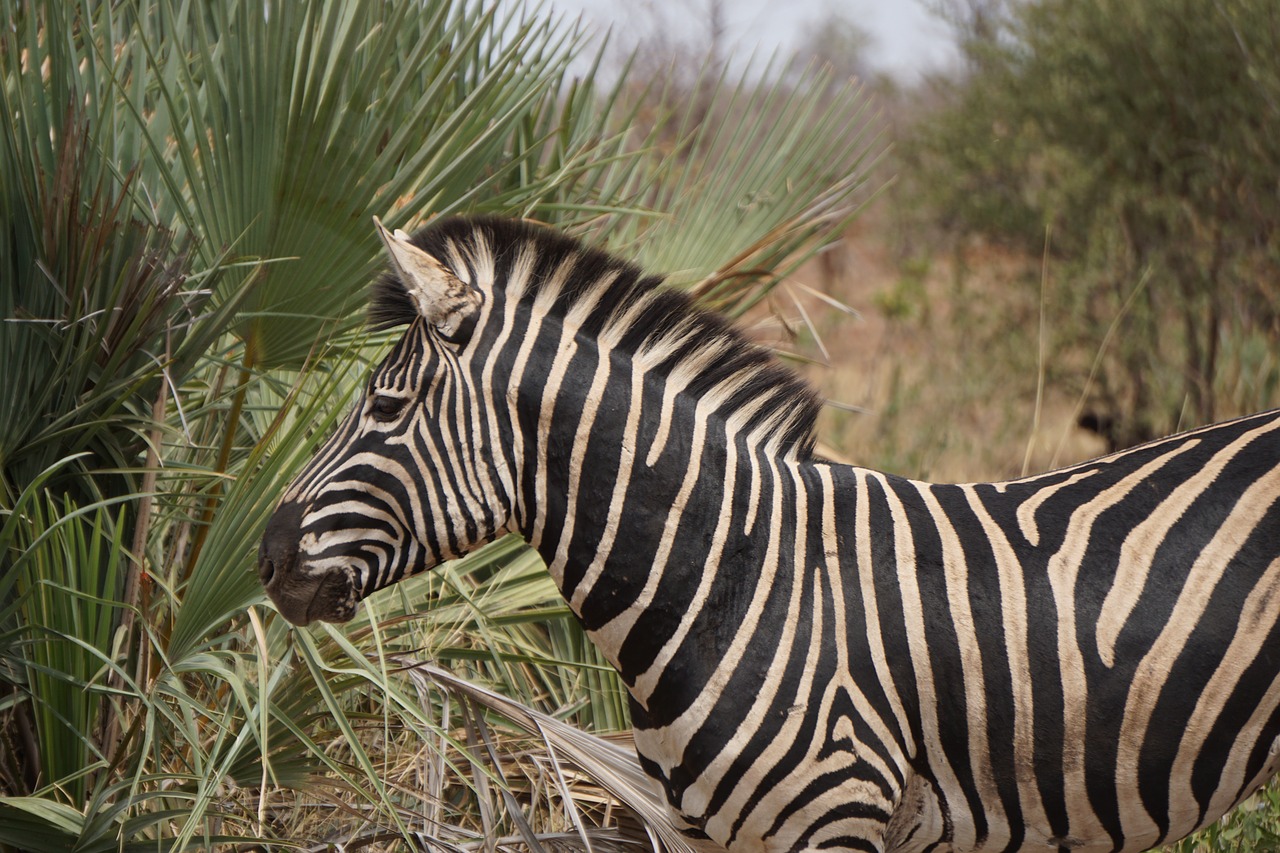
(396, 490)
(533, 372)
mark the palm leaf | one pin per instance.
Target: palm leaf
(357, 110)
(223, 581)
(764, 172)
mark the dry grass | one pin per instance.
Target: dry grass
(936, 378)
(500, 776)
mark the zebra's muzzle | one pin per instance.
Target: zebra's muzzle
(302, 593)
(325, 595)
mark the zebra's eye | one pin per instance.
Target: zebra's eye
(385, 409)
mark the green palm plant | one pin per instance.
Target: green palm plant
(101, 311)
(185, 192)
(321, 115)
(759, 179)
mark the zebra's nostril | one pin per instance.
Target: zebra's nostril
(266, 571)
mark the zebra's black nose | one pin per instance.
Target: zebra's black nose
(302, 593)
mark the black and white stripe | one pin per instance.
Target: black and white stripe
(820, 656)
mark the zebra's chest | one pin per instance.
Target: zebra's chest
(812, 778)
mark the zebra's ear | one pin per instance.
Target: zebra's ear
(444, 300)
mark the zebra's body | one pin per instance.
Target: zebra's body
(820, 656)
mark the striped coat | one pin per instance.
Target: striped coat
(819, 656)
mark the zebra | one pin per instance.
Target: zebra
(818, 656)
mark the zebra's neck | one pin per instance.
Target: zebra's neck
(656, 515)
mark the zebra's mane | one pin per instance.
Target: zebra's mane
(615, 298)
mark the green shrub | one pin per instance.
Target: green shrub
(1140, 138)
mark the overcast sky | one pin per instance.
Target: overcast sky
(907, 39)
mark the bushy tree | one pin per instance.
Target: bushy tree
(1138, 139)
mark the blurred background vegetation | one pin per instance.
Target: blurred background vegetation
(1081, 252)
(1074, 250)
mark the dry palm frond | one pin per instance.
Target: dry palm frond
(569, 753)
